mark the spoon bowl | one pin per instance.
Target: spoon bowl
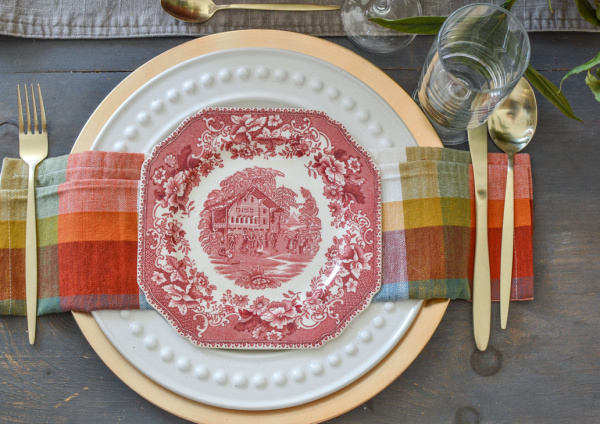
(513, 124)
(198, 11)
(511, 127)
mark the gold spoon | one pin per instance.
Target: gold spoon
(197, 11)
(511, 127)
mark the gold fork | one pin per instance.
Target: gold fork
(33, 148)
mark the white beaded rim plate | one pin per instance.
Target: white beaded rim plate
(253, 379)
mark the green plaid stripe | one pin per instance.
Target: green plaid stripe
(419, 153)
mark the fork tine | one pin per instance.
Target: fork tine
(21, 130)
(35, 118)
(42, 111)
(28, 129)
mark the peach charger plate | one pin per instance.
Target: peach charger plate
(422, 328)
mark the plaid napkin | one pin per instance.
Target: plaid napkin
(87, 228)
(429, 224)
(87, 233)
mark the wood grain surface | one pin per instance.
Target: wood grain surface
(544, 368)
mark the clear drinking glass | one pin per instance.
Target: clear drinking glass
(356, 15)
(479, 55)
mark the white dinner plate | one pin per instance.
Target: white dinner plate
(253, 380)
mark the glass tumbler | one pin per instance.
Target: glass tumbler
(478, 57)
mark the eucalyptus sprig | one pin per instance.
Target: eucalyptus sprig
(431, 25)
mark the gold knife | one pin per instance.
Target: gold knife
(482, 295)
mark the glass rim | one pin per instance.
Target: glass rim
(511, 16)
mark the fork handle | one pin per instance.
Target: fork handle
(506, 251)
(31, 290)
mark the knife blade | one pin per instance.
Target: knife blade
(482, 295)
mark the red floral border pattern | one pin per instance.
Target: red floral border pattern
(171, 275)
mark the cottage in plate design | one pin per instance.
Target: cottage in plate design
(257, 240)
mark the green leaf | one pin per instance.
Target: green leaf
(427, 25)
(424, 25)
(583, 67)
(588, 12)
(594, 84)
(550, 92)
(598, 9)
(508, 4)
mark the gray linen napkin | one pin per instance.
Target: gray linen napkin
(145, 18)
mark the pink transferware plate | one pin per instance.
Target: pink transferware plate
(259, 228)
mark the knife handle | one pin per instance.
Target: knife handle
(482, 294)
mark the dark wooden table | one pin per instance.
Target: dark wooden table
(544, 368)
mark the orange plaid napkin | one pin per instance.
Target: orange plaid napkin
(522, 280)
(87, 230)
(87, 233)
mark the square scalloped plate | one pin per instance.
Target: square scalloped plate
(259, 228)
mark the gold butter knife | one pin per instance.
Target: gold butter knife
(482, 304)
